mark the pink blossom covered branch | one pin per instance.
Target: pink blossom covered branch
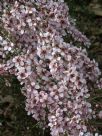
(55, 75)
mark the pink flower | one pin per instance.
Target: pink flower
(53, 73)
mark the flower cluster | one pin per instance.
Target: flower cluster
(56, 76)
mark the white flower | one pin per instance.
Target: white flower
(56, 97)
(28, 20)
(37, 86)
(100, 114)
(4, 42)
(1, 38)
(61, 95)
(96, 134)
(6, 48)
(22, 31)
(69, 57)
(52, 93)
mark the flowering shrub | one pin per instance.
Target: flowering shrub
(56, 76)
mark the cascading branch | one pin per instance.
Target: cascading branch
(57, 77)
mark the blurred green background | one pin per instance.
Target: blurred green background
(13, 117)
